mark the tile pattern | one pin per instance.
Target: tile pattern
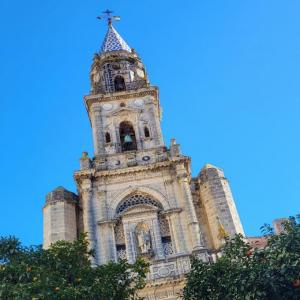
(113, 41)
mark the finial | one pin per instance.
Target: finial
(107, 14)
(84, 155)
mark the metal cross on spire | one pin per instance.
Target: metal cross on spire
(107, 15)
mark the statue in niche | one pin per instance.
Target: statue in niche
(143, 238)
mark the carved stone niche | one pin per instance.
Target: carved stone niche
(143, 236)
(144, 240)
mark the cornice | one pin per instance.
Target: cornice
(90, 99)
(129, 170)
(172, 211)
(107, 222)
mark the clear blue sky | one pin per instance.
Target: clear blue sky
(229, 80)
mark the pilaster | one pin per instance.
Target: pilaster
(88, 213)
(193, 223)
(97, 129)
(108, 242)
(177, 235)
(157, 239)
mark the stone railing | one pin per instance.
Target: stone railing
(129, 86)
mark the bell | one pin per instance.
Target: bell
(127, 139)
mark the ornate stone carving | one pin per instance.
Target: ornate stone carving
(137, 199)
(143, 237)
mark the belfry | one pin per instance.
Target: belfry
(135, 195)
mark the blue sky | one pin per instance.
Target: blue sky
(228, 73)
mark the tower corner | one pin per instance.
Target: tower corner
(60, 216)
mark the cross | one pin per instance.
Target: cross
(107, 14)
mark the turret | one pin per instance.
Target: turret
(60, 216)
(219, 205)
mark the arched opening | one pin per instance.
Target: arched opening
(107, 137)
(137, 199)
(166, 240)
(120, 240)
(127, 136)
(146, 132)
(119, 83)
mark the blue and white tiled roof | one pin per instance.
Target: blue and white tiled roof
(113, 41)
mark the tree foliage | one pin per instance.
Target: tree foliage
(244, 273)
(64, 272)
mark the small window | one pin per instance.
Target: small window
(107, 137)
(167, 245)
(119, 83)
(146, 132)
(121, 252)
(166, 239)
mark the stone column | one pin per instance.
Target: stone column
(88, 213)
(108, 243)
(130, 245)
(118, 138)
(155, 126)
(138, 136)
(192, 217)
(178, 239)
(98, 135)
(157, 239)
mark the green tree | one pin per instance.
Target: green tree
(64, 272)
(243, 273)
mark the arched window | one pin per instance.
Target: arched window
(146, 132)
(165, 235)
(137, 199)
(120, 240)
(107, 137)
(119, 83)
(127, 136)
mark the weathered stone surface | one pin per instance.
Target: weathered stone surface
(139, 199)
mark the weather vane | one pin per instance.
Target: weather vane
(107, 15)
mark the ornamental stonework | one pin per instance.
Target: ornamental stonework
(136, 194)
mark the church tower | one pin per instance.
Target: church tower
(136, 196)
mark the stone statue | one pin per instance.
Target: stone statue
(143, 237)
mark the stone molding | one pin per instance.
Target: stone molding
(171, 211)
(157, 195)
(79, 175)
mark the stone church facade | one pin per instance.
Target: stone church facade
(136, 196)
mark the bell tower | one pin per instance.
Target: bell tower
(136, 196)
(122, 119)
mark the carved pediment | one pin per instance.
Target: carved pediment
(122, 111)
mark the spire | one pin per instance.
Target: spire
(112, 41)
